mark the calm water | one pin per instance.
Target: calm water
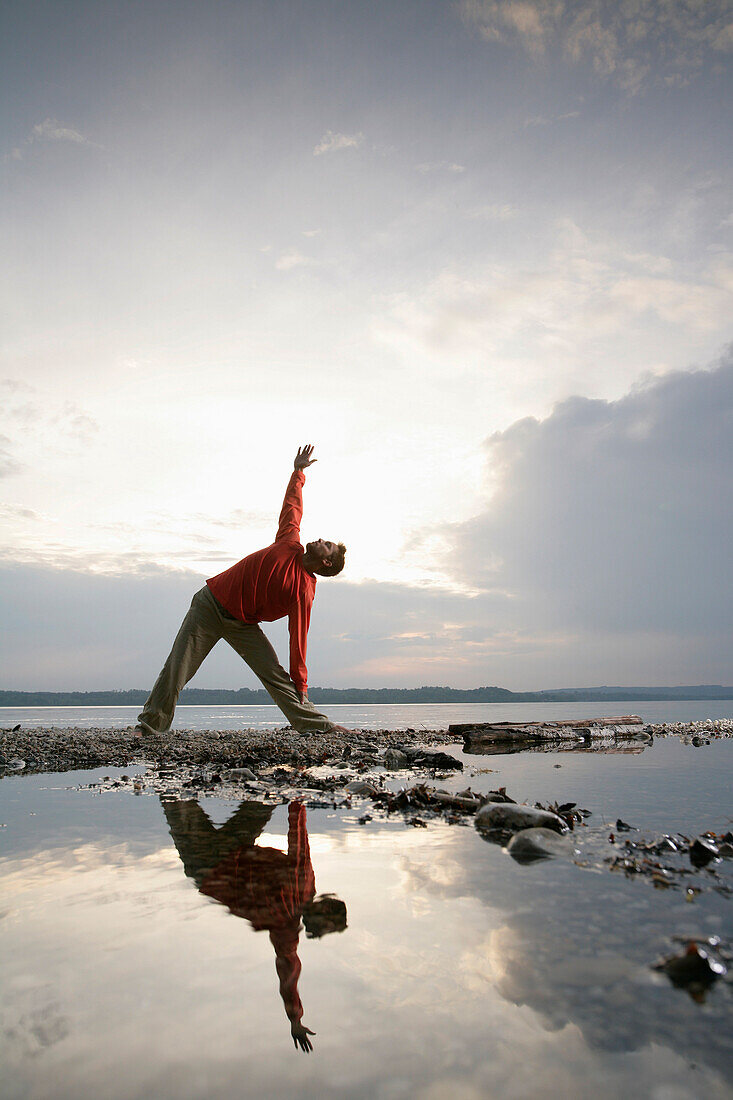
(373, 716)
(132, 965)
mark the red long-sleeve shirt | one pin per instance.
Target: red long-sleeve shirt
(272, 583)
(270, 889)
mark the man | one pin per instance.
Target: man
(267, 585)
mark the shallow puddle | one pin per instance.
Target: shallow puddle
(131, 967)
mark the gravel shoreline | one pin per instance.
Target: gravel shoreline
(56, 749)
(70, 749)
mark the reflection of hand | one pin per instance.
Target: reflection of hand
(300, 1035)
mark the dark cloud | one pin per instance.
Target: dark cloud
(613, 516)
(632, 44)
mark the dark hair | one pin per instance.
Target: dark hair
(337, 563)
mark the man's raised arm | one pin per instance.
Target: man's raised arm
(292, 509)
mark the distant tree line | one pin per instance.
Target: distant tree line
(251, 696)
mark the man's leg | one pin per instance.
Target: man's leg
(201, 845)
(199, 633)
(254, 647)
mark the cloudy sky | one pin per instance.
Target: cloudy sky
(479, 252)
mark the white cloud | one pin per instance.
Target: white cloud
(630, 43)
(496, 211)
(292, 259)
(589, 312)
(541, 120)
(51, 130)
(14, 511)
(26, 411)
(331, 142)
(8, 464)
(440, 166)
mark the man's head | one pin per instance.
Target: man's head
(324, 914)
(326, 559)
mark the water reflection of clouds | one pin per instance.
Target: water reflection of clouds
(575, 948)
(21, 875)
(448, 982)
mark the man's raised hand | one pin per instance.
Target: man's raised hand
(303, 457)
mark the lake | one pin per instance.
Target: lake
(153, 946)
(370, 716)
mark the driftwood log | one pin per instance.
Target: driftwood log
(505, 736)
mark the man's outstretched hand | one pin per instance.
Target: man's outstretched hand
(303, 457)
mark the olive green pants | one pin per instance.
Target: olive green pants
(204, 625)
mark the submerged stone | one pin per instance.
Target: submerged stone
(529, 845)
(695, 970)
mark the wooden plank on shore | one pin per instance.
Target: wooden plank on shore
(622, 720)
(531, 733)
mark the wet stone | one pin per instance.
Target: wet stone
(442, 761)
(702, 852)
(512, 818)
(395, 759)
(360, 787)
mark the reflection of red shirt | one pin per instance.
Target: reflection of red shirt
(270, 889)
(272, 583)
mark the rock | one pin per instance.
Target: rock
(667, 844)
(464, 803)
(394, 759)
(359, 786)
(695, 970)
(702, 852)
(240, 773)
(512, 817)
(498, 796)
(529, 845)
(438, 760)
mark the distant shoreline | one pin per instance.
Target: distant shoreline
(355, 696)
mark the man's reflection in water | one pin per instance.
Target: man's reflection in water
(272, 889)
